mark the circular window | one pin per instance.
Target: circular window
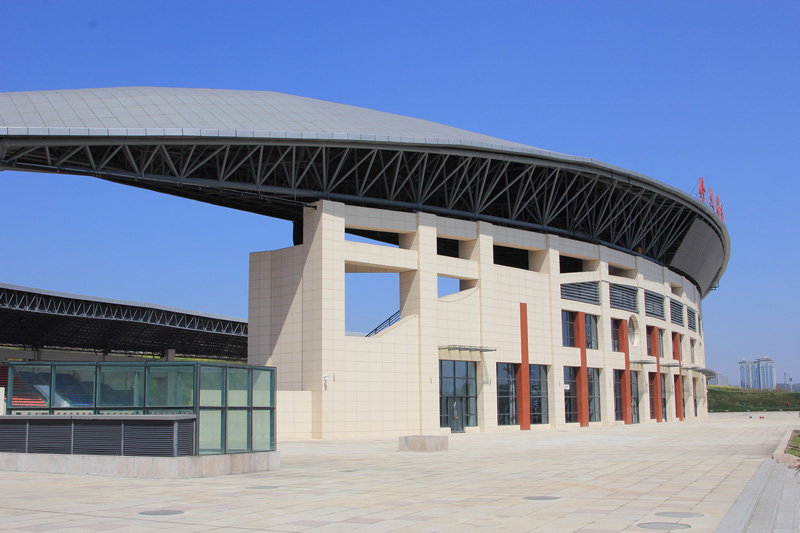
(633, 331)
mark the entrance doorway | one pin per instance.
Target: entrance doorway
(458, 395)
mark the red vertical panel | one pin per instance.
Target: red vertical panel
(676, 354)
(627, 415)
(583, 382)
(657, 385)
(523, 373)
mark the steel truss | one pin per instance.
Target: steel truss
(277, 178)
(18, 300)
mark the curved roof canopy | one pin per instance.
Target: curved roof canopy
(271, 153)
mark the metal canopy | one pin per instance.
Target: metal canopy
(43, 319)
(423, 167)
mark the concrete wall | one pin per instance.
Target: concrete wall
(388, 385)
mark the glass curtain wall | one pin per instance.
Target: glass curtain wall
(538, 385)
(506, 394)
(234, 405)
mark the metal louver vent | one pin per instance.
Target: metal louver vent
(624, 297)
(13, 436)
(149, 438)
(691, 317)
(97, 438)
(50, 436)
(653, 304)
(587, 292)
(676, 311)
(185, 437)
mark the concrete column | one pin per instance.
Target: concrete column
(167, 354)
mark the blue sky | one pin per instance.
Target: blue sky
(674, 90)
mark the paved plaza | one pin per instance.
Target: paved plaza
(597, 479)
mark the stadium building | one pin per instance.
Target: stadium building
(580, 284)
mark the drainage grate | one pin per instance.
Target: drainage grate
(679, 514)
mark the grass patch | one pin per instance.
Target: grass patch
(740, 400)
(794, 445)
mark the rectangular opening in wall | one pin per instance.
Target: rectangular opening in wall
(447, 247)
(448, 285)
(677, 290)
(568, 265)
(622, 272)
(511, 257)
(381, 238)
(371, 302)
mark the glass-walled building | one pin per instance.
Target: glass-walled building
(228, 408)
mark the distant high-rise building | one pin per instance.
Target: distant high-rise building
(758, 374)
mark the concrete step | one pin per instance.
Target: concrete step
(769, 503)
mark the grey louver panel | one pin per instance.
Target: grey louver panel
(149, 438)
(13, 436)
(97, 438)
(46, 436)
(185, 437)
(676, 311)
(587, 292)
(692, 319)
(653, 305)
(624, 297)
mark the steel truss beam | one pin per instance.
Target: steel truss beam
(18, 300)
(276, 178)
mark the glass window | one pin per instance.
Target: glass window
(660, 342)
(678, 340)
(31, 386)
(538, 385)
(120, 386)
(634, 397)
(212, 386)
(74, 386)
(571, 393)
(209, 431)
(691, 350)
(506, 394)
(238, 434)
(664, 397)
(568, 328)
(591, 332)
(263, 439)
(170, 386)
(650, 340)
(238, 387)
(458, 380)
(618, 374)
(262, 388)
(593, 381)
(616, 326)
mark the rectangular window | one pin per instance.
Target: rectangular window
(458, 386)
(568, 328)
(634, 397)
(691, 348)
(623, 297)
(571, 393)
(677, 352)
(618, 374)
(663, 397)
(616, 327)
(691, 318)
(649, 330)
(586, 291)
(506, 394)
(593, 380)
(660, 342)
(538, 384)
(591, 332)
